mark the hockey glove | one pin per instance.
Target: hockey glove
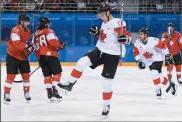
(29, 48)
(169, 59)
(124, 39)
(141, 65)
(63, 45)
(94, 30)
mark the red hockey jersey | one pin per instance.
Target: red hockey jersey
(46, 43)
(16, 44)
(174, 44)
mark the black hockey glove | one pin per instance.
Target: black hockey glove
(124, 39)
(169, 59)
(94, 30)
(30, 48)
(141, 65)
(63, 45)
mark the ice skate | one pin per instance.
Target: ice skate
(169, 86)
(56, 94)
(105, 111)
(49, 94)
(173, 88)
(6, 98)
(180, 81)
(159, 93)
(66, 85)
(27, 96)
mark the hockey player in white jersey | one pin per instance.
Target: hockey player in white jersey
(107, 52)
(150, 51)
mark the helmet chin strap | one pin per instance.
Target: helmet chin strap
(108, 16)
(145, 40)
(24, 28)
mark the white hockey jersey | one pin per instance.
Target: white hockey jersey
(148, 53)
(108, 42)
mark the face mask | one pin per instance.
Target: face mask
(170, 31)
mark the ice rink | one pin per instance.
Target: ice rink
(133, 99)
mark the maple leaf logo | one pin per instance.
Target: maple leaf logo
(102, 35)
(147, 55)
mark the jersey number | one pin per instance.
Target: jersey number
(42, 42)
(15, 30)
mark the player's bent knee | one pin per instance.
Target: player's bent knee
(10, 77)
(82, 63)
(25, 76)
(48, 79)
(56, 77)
(155, 74)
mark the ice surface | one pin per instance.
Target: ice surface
(133, 99)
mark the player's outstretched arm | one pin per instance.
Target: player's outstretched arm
(139, 62)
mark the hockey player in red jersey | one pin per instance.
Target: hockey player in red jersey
(173, 39)
(17, 57)
(107, 52)
(47, 46)
(149, 51)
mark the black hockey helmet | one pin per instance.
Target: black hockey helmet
(143, 31)
(43, 22)
(103, 8)
(170, 24)
(23, 17)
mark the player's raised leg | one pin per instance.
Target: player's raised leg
(76, 73)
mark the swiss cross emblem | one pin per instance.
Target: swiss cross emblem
(102, 35)
(171, 42)
(147, 55)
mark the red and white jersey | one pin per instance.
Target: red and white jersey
(17, 42)
(108, 42)
(174, 44)
(46, 43)
(153, 50)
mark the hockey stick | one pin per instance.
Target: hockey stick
(20, 81)
(170, 65)
(121, 16)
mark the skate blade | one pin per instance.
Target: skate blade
(57, 99)
(159, 97)
(50, 100)
(64, 92)
(27, 101)
(6, 102)
(54, 100)
(105, 118)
